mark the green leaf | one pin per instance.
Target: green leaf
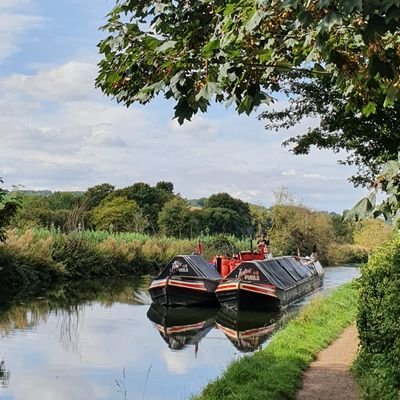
(305, 18)
(369, 108)
(350, 5)
(255, 20)
(333, 18)
(324, 3)
(169, 44)
(209, 48)
(208, 91)
(363, 209)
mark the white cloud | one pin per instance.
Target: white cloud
(73, 81)
(16, 21)
(63, 134)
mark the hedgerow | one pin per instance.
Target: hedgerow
(378, 364)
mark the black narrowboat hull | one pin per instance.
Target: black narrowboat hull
(246, 295)
(184, 291)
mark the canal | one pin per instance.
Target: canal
(104, 341)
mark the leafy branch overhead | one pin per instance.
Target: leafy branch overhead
(388, 182)
(239, 51)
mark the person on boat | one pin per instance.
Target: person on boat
(314, 254)
(264, 247)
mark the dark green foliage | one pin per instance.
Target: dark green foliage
(226, 214)
(166, 186)
(63, 200)
(94, 195)
(370, 140)
(222, 246)
(378, 366)
(174, 219)
(20, 271)
(240, 52)
(221, 220)
(9, 205)
(345, 56)
(150, 199)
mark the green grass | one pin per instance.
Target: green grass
(275, 372)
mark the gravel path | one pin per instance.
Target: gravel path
(328, 378)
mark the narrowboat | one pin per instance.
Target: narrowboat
(182, 326)
(270, 284)
(187, 280)
(247, 330)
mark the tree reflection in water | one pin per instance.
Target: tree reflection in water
(68, 301)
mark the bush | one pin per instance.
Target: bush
(346, 254)
(378, 365)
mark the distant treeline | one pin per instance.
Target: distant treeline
(139, 208)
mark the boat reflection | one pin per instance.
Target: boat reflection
(182, 326)
(247, 330)
(4, 375)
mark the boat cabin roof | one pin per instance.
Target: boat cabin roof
(282, 272)
(189, 265)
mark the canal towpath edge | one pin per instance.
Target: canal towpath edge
(329, 376)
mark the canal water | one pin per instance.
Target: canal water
(105, 341)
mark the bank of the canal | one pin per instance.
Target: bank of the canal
(275, 372)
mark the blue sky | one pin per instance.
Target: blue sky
(59, 133)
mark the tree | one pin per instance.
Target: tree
(370, 140)
(8, 207)
(174, 218)
(222, 220)
(118, 213)
(298, 228)
(94, 195)
(260, 218)
(241, 52)
(63, 200)
(166, 186)
(372, 233)
(223, 201)
(150, 200)
(238, 51)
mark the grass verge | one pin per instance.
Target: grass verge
(275, 372)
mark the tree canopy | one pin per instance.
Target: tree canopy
(118, 214)
(239, 51)
(370, 141)
(242, 52)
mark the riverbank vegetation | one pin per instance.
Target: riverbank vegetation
(135, 230)
(275, 372)
(378, 367)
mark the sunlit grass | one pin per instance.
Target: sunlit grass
(274, 373)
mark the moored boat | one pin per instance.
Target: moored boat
(270, 284)
(185, 281)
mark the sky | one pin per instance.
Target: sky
(60, 133)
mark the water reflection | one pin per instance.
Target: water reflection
(182, 326)
(247, 330)
(74, 341)
(4, 375)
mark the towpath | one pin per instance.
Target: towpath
(329, 378)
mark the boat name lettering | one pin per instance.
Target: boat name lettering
(249, 274)
(177, 266)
